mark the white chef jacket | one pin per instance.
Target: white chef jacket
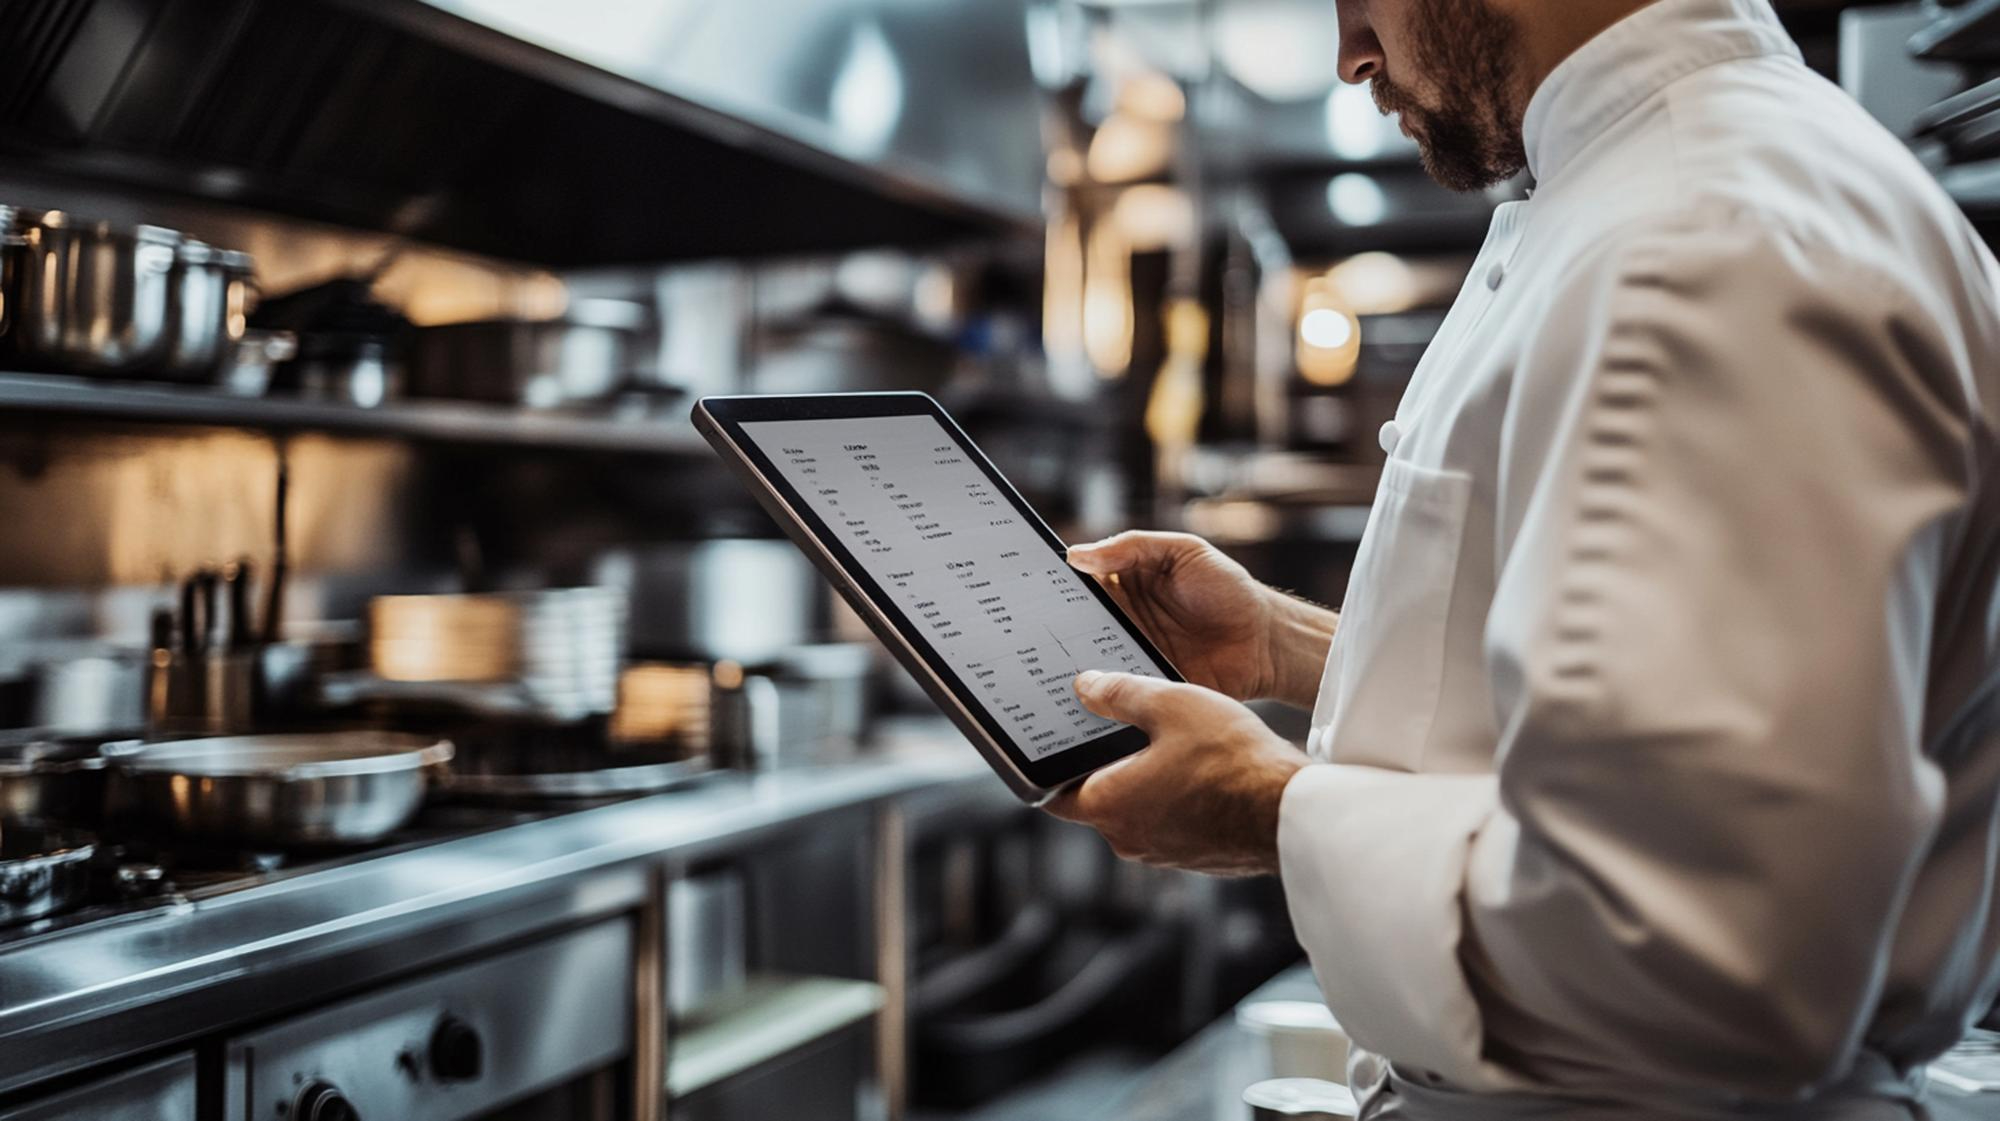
(1660, 738)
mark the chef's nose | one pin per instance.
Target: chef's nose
(1361, 56)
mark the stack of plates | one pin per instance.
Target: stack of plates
(561, 649)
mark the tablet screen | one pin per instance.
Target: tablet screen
(980, 583)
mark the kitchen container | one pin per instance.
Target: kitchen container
(42, 871)
(89, 690)
(289, 791)
(349, 345)
(1301, 1038)
(48, 781)
(253, 360)
(810, 706)
(211, 290)
(587, 355)
(707, 932)
(208, 693)
(94, 297)
(745, 600)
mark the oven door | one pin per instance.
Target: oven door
(535, 1033)
(162, 1091)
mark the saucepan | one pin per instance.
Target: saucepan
(41, 872)
(282, 791)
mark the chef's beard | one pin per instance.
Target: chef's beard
(1471, 138)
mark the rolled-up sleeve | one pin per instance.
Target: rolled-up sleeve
(1730, 472)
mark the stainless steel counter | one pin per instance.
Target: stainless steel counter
(82, 996)
(1205, 1078)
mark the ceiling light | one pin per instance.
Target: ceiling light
(1326, 329)
(1357, 200)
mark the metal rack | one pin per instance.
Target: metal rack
(440, 422)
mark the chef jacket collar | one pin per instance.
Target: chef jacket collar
(1636, 58)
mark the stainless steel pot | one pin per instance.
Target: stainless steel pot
(42, 872)
(94, 297)
(588, 355)
(210, 293)
(343, 788)
(50, 782)
(745, 600)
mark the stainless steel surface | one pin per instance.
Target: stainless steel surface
(41, 872)
(94, 297)
(50, 782)
(285, 791)
(707, 939)
(586, 356)
(90, 995)
(892, 959)
(451, 1045)
(649, 1002)
(159, 1091)
(944, 88)
(433, 421)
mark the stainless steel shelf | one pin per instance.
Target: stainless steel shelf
(1968, 33)
(443, 422)
(769, 1018)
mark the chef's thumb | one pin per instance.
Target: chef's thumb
(1111, 555)
(1126, 697)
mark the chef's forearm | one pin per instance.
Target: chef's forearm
(1301, 634)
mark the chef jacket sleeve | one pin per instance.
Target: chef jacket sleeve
(1729, 469)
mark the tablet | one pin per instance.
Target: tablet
(962, 581)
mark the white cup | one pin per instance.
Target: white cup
(1302, 1038)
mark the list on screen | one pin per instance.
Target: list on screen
(977, 580)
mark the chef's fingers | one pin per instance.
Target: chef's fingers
(1135, 549)
(1128, 698)
(1065, 804)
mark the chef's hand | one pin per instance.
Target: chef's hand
(1215, 622)
(1203, 797)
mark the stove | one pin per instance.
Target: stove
(134, 875)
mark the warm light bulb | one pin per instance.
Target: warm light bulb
(1326, 329)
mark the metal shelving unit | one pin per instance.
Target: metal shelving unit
(438, 422)
(770, 1017)
(1967, 33)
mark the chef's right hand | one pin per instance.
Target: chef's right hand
(1205, 612)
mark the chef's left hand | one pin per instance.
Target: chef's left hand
(1203, 797)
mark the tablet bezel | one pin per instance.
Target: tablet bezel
(721, 420)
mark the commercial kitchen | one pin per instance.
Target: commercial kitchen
(406, 716)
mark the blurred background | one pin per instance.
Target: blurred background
(349, 347)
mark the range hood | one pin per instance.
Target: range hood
(636, 132)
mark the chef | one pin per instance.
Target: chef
(1655, 767)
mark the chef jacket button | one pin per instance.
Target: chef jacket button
(1496, 276)
(1392, 437)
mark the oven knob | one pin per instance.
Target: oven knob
(321, 1102)
(455, 1051)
